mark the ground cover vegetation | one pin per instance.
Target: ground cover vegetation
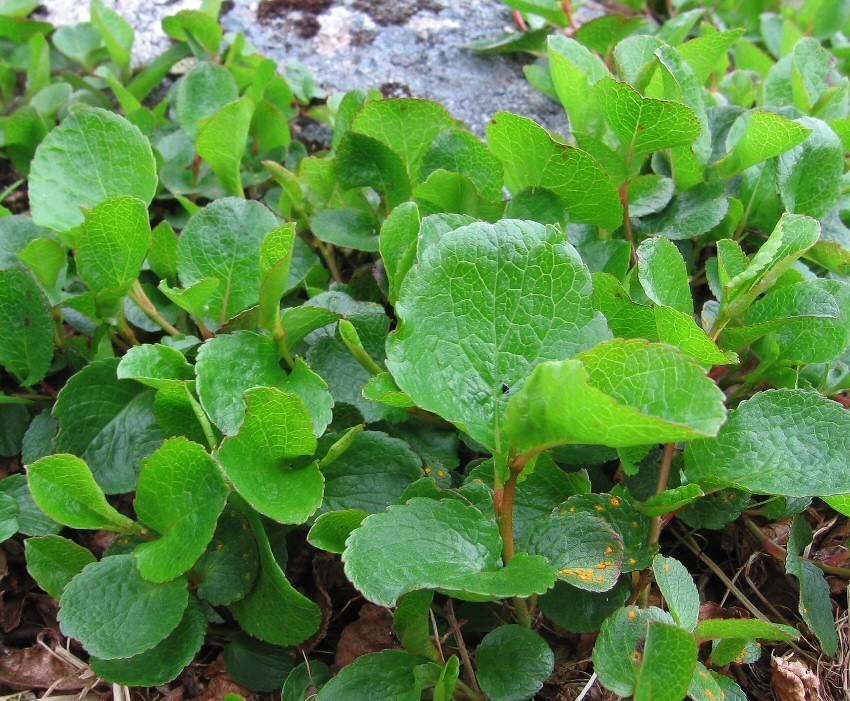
(553, 406)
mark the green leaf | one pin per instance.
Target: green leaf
(663, 274)
(223, 241)
(407, 126)
(460, 152)
(649, 194)
(64, 488)
(809, 175)
(195, 299)
(620, 394)
(257, 665)
(584, 549)
(163, 662)
(382, 388)
(582, 611)
(575, 71)
(299, 322)
(670, 500)
(398, 240)
(533, 159)
(117, 34)
(705, 53)
(92, 155)
(331, 529)
(615, 656)
(8, 517)
(361, 160)
(370, 475)
(113, 244)
(755, 137)
(815, 604)
(115, 613)
(644, 125)
(691, 213)
(680, 330)
(551, 10)
(258, 460)
(53, 561)
(26, 327)
(201, 93)
(274, 611)
(669, 660)
(180, 495)
(227, 570)
(222, 141)
(679, 590)
(31, 519)
(16, 232)
(525, 298)
(46, 258)
(154, 365)
(389, 675)
(443, 545)
(194, 26)
(305, 680)
(787, 442)
(109, 423)
(716, 628)
(513, 662)
(349, 228)
(452, 192)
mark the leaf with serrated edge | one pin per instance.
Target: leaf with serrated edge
(258, 460)
(790, 442)
(64, 488)
(669, 659)
(444, 545)
(53, 561)
(181, 493)
(155, 365)
(484, 305)
(617, 394)
(116, 613)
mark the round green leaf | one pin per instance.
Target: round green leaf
(154, 365)
(228, 568)
(513, 662)
(26, 327)
(53, 561)
(180, 495)
(485, 304)
(201, 93)
(92, 155)
(388, 675)
(162, 663)
(258, 460)
(581, 611)
(787, 442)
(115, 613)
(445, 545)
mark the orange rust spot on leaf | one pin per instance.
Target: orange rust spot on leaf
(633, 615)
(615, 501)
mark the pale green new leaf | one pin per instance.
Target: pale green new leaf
(53, 561)
(180, 495)
(620, 393)
(663, 274)
(679, 590)
(669, 659)
(222, 140)
(155, 365)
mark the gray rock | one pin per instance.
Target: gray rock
(404, 47)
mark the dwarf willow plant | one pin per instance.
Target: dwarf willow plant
(501, 401)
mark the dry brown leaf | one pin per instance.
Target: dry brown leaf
(35, 667)
(371, 632)
(794, 681)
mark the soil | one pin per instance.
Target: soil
(271, 10)
(395, 90)
(387, 12)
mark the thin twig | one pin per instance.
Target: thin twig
(587, 687)
(461, 646)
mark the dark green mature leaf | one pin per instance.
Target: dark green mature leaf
(458, 151)
(618, 394)
(388, 675)
(669, 660)
(533, 159)
(227, 570)
(581, 611)
(113, 244)
(181, 493)
(516, 293)
(109, 423)
(809, 175)
(115, 613)
(223, 241)
(163, 662)
(445, 545)
(370, 475)
(305, 680)
(583, 548)
(614, 658)
(642, 124)
(789, 442)
(64, 488)
(53, 561)
(26, 327)
(31, 519)
(256, 665)
(92, 155)
(815, 598)
(8, 517)
(691, 213)
(513, 662)
(258, 460)
(679, 590)
(274, 611)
